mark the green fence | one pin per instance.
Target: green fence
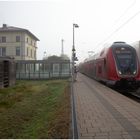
(42, 69)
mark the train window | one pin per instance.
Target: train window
(3, 39)
(122, 51)
(125, 58)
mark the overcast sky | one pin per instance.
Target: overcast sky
(100, 22)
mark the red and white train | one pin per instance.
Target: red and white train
(115, 65)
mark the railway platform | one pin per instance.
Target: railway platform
(102, 113)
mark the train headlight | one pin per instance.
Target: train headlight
(120, 72)
(134, 72)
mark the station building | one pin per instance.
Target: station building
(18, 43)
(21, 44)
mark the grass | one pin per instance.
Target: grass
(35, 109)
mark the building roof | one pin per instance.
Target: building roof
(6, 28)
(55, 58)
(64, 57)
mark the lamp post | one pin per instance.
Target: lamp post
(74, 58)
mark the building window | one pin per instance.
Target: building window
(31, 53)
(27, 40)
(55, 68)
(17, 38)
(65, 68)
(3, 51)
(27, 51)
(17, 51)
(3, 39)
(34, 54)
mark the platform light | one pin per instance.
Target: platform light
(74, 58)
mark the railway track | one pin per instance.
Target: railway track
(134, 95)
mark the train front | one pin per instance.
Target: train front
(126, 64)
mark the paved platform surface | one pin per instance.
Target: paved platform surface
(104, 113)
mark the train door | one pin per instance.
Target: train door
(94, 70)
(102, 69)
(99, 69)
(105, 68)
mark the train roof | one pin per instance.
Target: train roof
(120, 44)
(95, 56)
(103, 52)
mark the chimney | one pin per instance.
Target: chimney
(4, 25)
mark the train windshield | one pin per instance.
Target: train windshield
(126, 60)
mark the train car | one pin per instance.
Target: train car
(116, 65)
